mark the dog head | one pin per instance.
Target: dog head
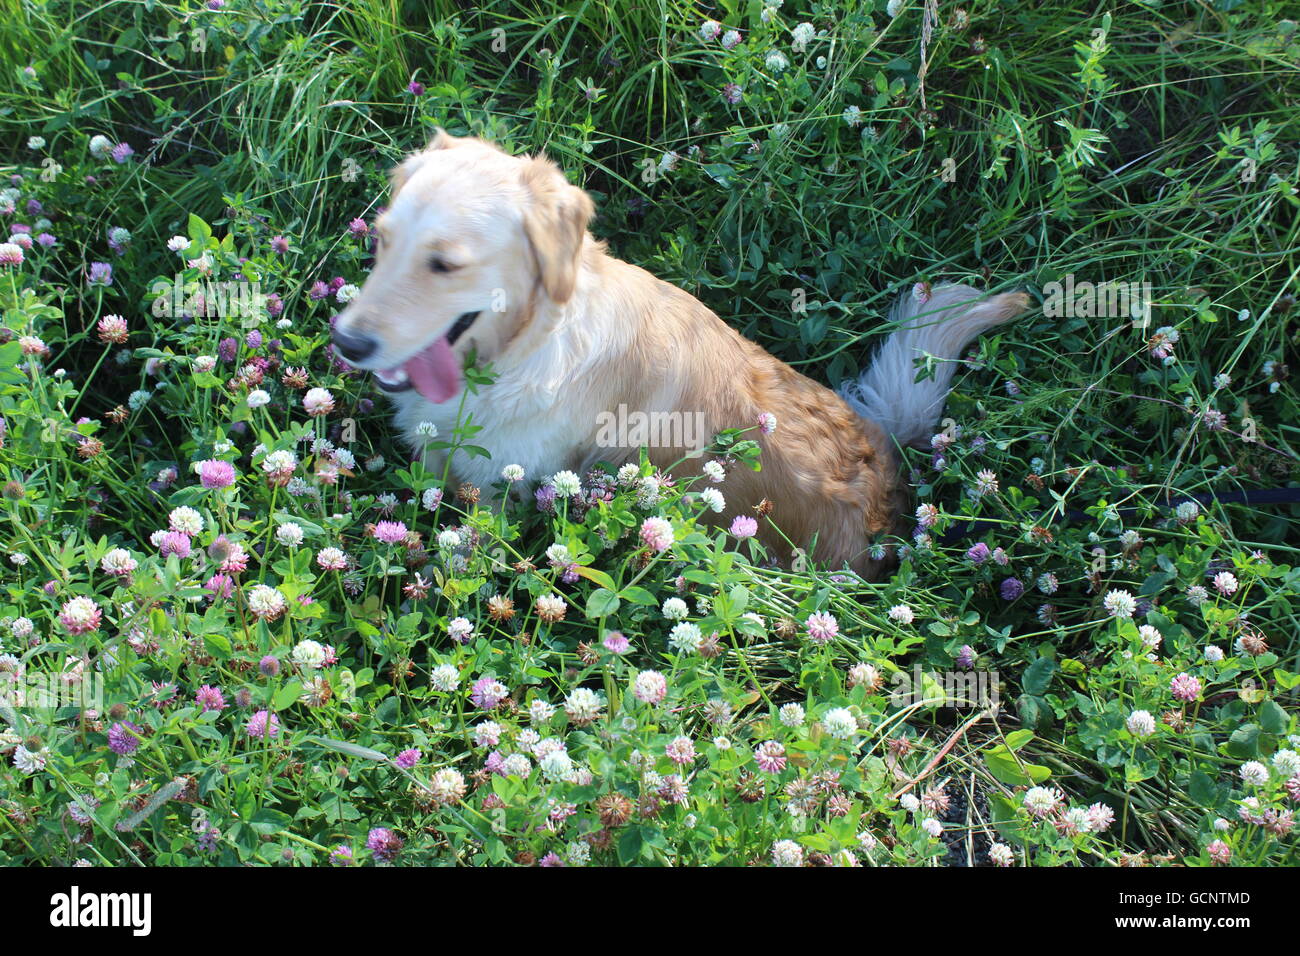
(471, 239)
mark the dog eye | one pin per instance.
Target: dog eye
(440, 265)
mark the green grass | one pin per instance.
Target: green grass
(1154, 143)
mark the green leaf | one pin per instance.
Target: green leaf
(1038, 676)
(1202, 789)
(638, 596)
(218, 645)
(1273, 718)
(1018, 738)
(629, 845)
(352, 750)
(199, 230)
(1002, 764)
(287, 694)
(268, 821)
(598, 577)
(1244, 741)
(602, 602)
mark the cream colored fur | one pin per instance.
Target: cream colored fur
(577, 332)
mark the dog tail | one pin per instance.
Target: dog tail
(887, 392)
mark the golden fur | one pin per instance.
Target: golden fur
(573, 333)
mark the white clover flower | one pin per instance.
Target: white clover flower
(1001, 854)
(566, 483)
(1254, 773)
(556, 766)
(332, 559)
(1287, 762)
(791, 715)
(21, 628)
(1140, 723)
(712, 497)
(281, 460)
(685, 637)
(1042, 801)
(118, 561)
(840, 723)
(902, 614)
(578, 853)
(1150, 636)
(512, 473)
(648, 491)
(1187, 511)
(178, 243)
(445, 677)
(289, 533)
(550, 607)
(186, 521)
(347, 293)
(539, 711)
(258, 398)
(649, 687)
(100, 147)
(714, 471)
(460, 630)
(449, 539)
(895, 7)
(787, 853)
(310, 654)
(265, 601)
(1119, 603)
(583, 704)
(776, 61)
(30, 761)
(675, 609)
(629, 474)
(909, 802)
(932, 826)
(35, 143)
(1213, 653)
(487, 733)
(801, 35)
(318, 401)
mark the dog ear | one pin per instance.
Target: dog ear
(402, 173)
(555, 224)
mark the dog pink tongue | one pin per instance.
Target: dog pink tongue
(435, 372)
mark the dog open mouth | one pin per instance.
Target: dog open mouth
(435, 372)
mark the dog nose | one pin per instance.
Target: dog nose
(354, 348)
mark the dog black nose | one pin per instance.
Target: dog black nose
(354, 348)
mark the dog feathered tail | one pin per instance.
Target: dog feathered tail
(887, 392)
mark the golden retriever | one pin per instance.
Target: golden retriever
(488, 252)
